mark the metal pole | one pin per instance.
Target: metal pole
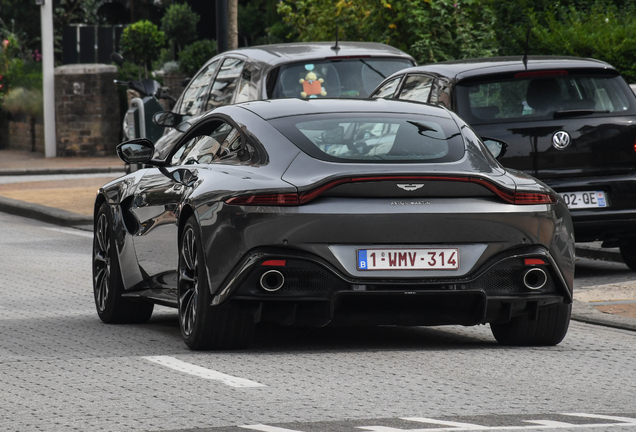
(221, 26)
(48, 78)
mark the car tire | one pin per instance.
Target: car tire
(548, 329)
(204, 326)
(628, 253)
(108, 285)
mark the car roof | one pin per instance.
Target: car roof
(276, 108)
(493, 65)
(284, 53)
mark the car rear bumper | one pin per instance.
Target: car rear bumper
(316, 294)
(612, 227)
(615, 223)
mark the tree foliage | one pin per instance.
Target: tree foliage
(602, 32)
(195, 55)
(180, 24)
(430, 30)
(141, 43)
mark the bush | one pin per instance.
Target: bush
(195, 55)
(180, 24)
(141, 43)
(603, 32)
(430, 30)
(23, 101)
(20, 77)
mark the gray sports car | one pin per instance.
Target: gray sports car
(316, 212)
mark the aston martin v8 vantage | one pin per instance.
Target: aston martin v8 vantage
(332, 212)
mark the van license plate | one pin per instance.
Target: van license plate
(408, 259)
(576, 200)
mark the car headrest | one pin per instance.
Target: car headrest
(543, 94)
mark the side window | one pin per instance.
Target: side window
(217, 142)
(248, 90)
(416, 88)
(388, 89)
(225, 83)
(193, 96)
(441, 93)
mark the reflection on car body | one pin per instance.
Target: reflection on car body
(324, 212)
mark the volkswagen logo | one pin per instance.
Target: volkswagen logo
(561, 140)
(410, 187)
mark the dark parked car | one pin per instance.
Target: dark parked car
(570, 122)
(311, 212)
(297, 70)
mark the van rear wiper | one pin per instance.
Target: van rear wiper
(575, 112)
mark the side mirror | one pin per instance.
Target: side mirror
(136, 151)
(117, 59)
(185, 82)
(496, 147)
(166, 119)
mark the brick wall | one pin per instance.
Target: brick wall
(86, 110)
(20, 135)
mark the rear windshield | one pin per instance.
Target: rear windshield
(353, 78)
(542, 98)
(374, 137)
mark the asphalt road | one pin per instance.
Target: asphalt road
(61, 369)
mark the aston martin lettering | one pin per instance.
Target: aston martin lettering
(410, 203)
(410, 187)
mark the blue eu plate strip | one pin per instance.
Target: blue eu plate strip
(362, 259)
(600, 199)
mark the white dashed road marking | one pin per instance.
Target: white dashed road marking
(538, 424)
(202, 372)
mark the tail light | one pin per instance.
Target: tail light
(299, 198)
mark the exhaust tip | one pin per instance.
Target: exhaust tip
(272, 280)
(535, 278)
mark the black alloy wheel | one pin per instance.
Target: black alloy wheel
(108, 286)
(204, 326)
(548, 329)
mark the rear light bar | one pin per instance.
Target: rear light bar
(533, 74)
(300, 198)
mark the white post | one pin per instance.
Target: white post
(48, 77)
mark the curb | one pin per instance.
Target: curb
(585, 313)
(43, 213)
(49, 171)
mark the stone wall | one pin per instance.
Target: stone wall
(86, 110)
(21, 135)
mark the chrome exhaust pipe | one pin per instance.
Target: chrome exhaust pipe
(272, 280)
(535, 278)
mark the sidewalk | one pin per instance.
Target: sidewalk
(26, 188)
(68, 200)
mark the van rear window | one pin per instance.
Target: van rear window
(542, 97)
(342, 78)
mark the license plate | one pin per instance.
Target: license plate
(408, 259)
(576, 200)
